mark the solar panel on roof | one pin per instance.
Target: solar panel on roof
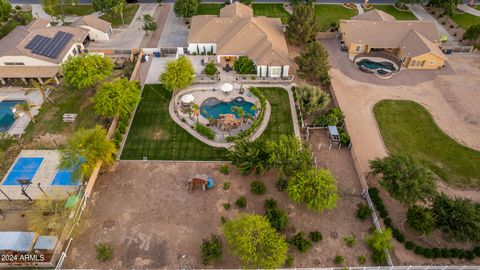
(49, 47)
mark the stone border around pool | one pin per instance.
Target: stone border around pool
(175, 117)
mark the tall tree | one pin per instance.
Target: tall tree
(186, 8)
(311, 98)
(240, 112)
(178, 74)
(42, 88)
(449, 6)
(317, 188)
(86, 70)
(289, 155)
(106, 6)
(303, 25)
(255, 242)
(196, 111)
(25, 108)
(404, 178)
(5, 10)
(119, 8)
(313, 63)
(117, 98)
(472, 33)
(87, 147)
(244, 65)
(147, 23)
(250, 156)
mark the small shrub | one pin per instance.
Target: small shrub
(258, 188)
(241, 202)
(104, 252)
(361, 259)
(281, 184)
(379, 257)
(446, 253)
(301, 242)
(419, 250)
(226, 185)
(223, 219)
(476, 250)
(226, 206)
(254, 78)
(388, 222)
(18, 7)
(350, 241)
(363, 211)
(338, 259)
(210, 69)
(277, 218)
(398, 235)
(410, 245)
(333, 117)
(270, 204)
(211, 249)
(224, 169)
(315, 236)
(469, 255)
(289, 261)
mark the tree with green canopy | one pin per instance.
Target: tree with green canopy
(42, 88)
(25, 108)
(311, 98)
(178, 74)
(472, 33)
(449, 6)
(250, 156)
(244, 65)
(186, 8)
(107, 6)
(86, 70)
(313, 64)
(379, 242)
(117, 98)
(404, 178)
(5, 10)
(421, 219)
(255, 242)
(289, 155)
(317, 188)
(85, 149)
(51, 7)
(303, 25)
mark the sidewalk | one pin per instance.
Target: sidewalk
(423, 15)
(468, 9)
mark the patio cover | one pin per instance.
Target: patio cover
(333, 131)
(16, 241)
(46, 242)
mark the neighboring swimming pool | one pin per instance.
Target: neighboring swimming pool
(7, 117)
(212, 107)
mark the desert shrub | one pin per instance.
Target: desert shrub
(205, 131)
(363, 211)
(302, 243)
(211, 249)
(224, 169)
(290, 261)
(226, 185)
(104, 252)
(421, 219)
(334, 117)
(350, 241)
(277, 218)
(398, 235)
(258, 188)
(378, 241)
(241, 202)
(270, 204)
(344, 137)
(210, 68)
(281, 184)
(315, 236)
(18, 7)
(410, 245)
(388, 222)
(361, 259)
(226, 206)
(338, 259)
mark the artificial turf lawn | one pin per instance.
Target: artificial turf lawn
(78, 10)
(465, 20)
(408, 128)
(329, 13)
(399, 15)
(155, 135)
(271, 10)
(128, 15)
(209, 9)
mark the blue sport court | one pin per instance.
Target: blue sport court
(24, 169)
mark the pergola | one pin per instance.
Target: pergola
(28, 72)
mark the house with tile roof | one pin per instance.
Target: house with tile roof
(236, 32)
(416, 44)
(98, 29)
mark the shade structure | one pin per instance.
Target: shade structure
(227, 87)
(187, 98)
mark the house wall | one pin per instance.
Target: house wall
(96, 34)
(200, 48)
(425, 61)
(269, 71)
(73, 51)
(26, 60)
(352, 48)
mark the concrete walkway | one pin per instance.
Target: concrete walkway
(423, 15)
(175, 32)
(468, 9)
(359, 8)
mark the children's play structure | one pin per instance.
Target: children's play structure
(200, 180)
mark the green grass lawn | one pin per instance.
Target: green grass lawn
(155, 135)
(79, 10)
(399, 15)
(408, 128)
(466, 20)
(332, 13)
(281, 117)
(128, 15)
(209, 9)
(271, 10)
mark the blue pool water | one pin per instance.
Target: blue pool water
(7, 118)
(64, 178)
(376, 65)
(212, 107)
(25, 169)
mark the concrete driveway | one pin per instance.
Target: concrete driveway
(175, 32)
(129, 37)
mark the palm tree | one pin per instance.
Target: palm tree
(196, 110)
(42, 88)
(240, 112)
(24, 108)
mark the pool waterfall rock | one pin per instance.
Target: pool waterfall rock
(238, 113)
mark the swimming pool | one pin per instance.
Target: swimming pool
(212, 107)
(372, 65)
(7, 117)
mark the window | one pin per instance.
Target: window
(14, 64)
(431, 62)
(275, 71)
(413, 63)
(359, 48)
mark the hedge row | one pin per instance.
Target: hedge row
(120, 131)
(430, 253)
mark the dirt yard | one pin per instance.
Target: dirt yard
(144, 210)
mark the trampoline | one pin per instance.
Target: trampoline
(24, 169)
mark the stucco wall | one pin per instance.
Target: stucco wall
(431, 62)
(27, 60)
(200, 48)
(96, 34)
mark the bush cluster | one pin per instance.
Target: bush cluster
(277, 217)
(205, 131)
(120, 131)
(104, 252)
(302, 243)
(241, 202)
(211, 249)
(409, 245)
(363, 211)
(315, 236)
(334, 117)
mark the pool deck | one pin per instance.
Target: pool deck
(41, 180)
(16, 93)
